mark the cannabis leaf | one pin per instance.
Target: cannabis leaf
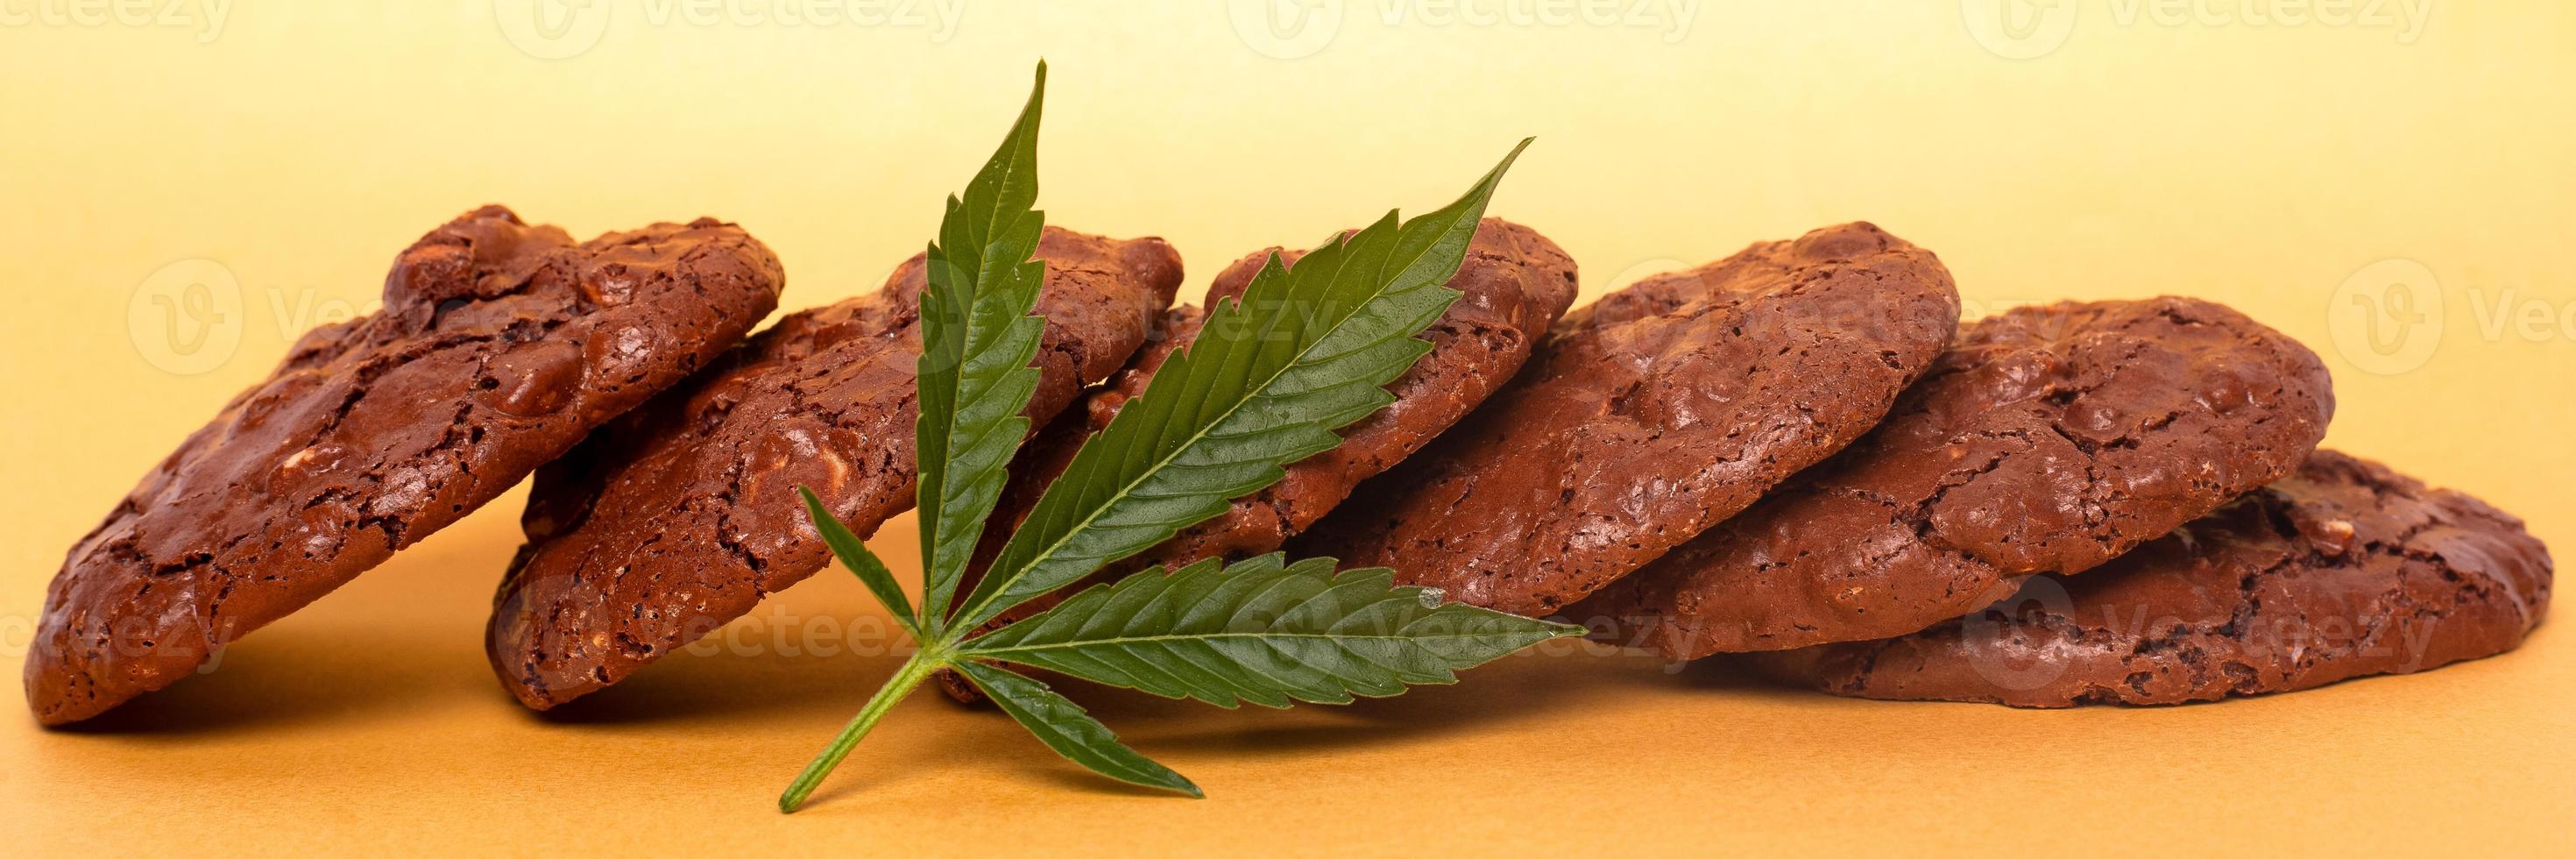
(1263, 631)
(1302, 353)
(977, 339)
(1267, 381)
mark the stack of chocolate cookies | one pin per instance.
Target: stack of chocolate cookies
(1794, 453)
(1924, 513)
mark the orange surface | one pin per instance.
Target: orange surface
(2236, 150)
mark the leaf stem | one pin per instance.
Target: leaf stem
(896, 688)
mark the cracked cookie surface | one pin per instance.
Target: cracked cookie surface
(499, 346)
(2344, 569)
(2050, 439)
(1651, 414)
(684, 515)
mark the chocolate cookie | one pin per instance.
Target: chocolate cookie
(1651, 414)
(2345, 569)
(499, 346)
(2051, 439)
(684, 515)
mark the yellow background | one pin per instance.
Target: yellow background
(2223, 154)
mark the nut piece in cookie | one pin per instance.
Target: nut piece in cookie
(499, 347)
(2344, 569)
(683, 515)
(2050, 439)
(1652, 414)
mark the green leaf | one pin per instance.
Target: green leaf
(1064, 727)
(1262, 631)
(977, 340)
(863, 563)
(1304, 352)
